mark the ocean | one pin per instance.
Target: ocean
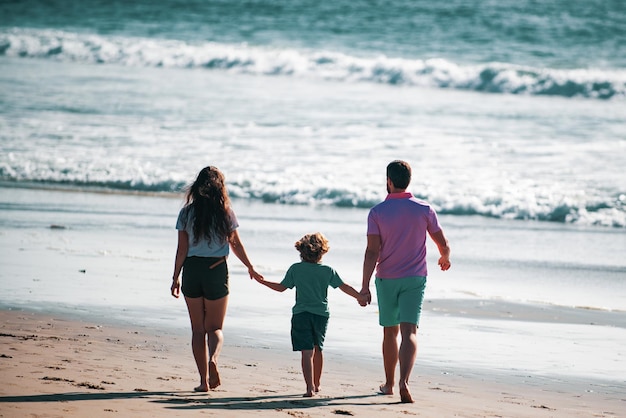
(511, 113)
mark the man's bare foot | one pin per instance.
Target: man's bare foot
(214, 375)
(201, 388)
(317, 389)
(405, 395)
(385, 390)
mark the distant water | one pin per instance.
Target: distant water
(510, 109)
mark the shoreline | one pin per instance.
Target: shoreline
(97, 189)
(66, 366)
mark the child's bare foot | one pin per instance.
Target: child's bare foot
(385, 390)
(214, 375)
(405, 395)
(201, 388)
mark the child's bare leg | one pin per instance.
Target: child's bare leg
(390, 358)
(318, 364)
(307, 372)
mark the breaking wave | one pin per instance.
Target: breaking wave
(439, 73)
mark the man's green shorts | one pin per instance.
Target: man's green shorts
(400, 300)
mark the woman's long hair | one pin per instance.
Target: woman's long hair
(209, 199)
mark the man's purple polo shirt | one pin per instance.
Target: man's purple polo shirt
(402, 222)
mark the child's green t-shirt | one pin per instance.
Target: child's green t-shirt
(311, 281)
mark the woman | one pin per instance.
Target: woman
(206, 229)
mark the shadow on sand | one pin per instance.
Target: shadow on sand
(195, 401)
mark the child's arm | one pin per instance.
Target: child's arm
(273, 285)
(349, 290)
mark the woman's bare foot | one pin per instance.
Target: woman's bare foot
(405, 395)
(201, 388)
(214, 375)
(310, 392)
(385, 390)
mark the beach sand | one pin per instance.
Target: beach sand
(54, 366)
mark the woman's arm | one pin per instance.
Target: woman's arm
(181, 255)
(237, 246)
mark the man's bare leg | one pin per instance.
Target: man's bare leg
(407, 356)
(390, 358)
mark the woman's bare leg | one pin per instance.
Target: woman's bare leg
(195, 306)
(215, 313)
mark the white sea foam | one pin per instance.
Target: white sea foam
(491, 77)
(314, 143)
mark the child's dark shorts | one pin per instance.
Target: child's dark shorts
(200, 280)
(307, 331)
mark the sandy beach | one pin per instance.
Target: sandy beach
(53, 366)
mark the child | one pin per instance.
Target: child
(310, 313)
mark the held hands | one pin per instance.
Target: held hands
(255, 275)
(365, 297)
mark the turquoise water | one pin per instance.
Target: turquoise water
(509, 110)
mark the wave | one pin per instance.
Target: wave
(607, 212)
(439, 73)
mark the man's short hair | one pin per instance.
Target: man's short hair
(399, 172)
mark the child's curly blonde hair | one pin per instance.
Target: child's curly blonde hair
(312, 247)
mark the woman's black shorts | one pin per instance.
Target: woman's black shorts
(205, 277)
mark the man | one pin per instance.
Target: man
(396, 247)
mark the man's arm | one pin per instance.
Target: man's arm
(444, 250)
(369, 264)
